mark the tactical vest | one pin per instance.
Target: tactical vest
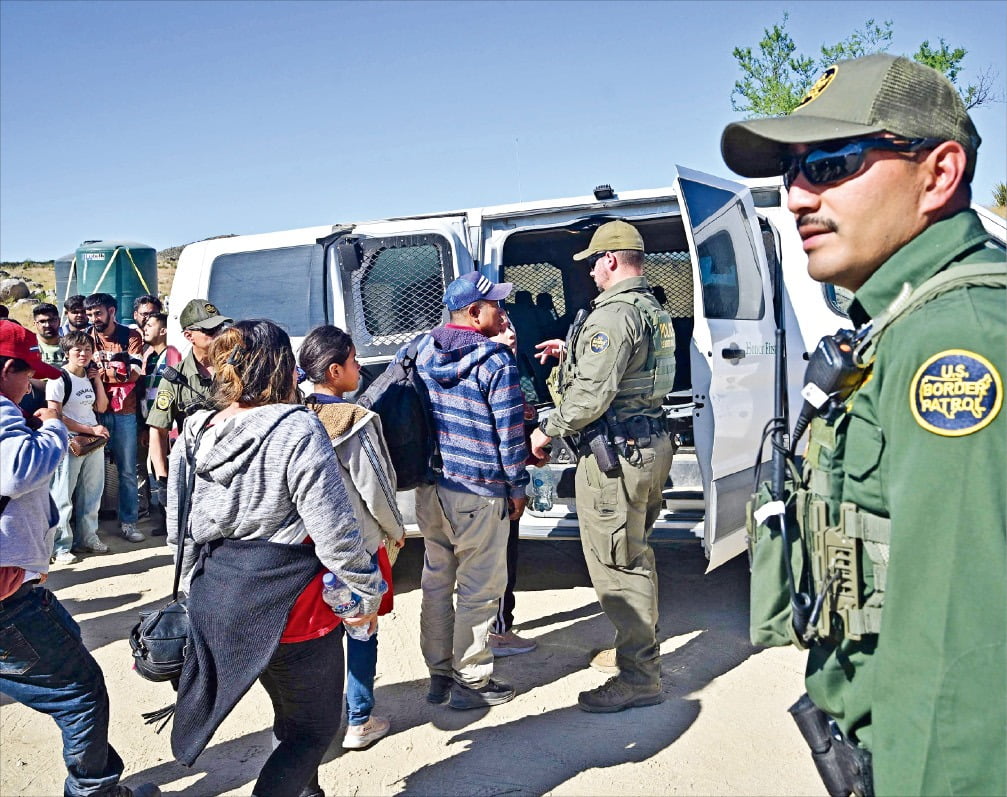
(658, 375)
(847, 546)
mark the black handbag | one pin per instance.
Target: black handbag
(160, 639)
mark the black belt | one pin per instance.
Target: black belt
(18, 595)
(657, 425)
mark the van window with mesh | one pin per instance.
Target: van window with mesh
(670, 278)
(284, 285)
(398, 289)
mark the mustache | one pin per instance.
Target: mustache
(817, 221)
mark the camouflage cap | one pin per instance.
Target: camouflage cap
(861, 97)
(613, 236)
(201, 314)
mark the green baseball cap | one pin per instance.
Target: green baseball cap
(874, 94)
(612, 236)
(201, 314)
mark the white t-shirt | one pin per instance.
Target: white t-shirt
(80, 405)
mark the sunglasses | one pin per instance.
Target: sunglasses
(211, 331)
(831, 164)
(590, 260)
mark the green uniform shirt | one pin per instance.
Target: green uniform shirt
(173, 402)
(926, 446)
(611, 349)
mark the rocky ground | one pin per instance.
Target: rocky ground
(723, 728)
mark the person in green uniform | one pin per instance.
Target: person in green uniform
(201, 322)
(910, 657)
(621, 364)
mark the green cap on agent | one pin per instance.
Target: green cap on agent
(864, 96)
(613, 236)
(201, 314)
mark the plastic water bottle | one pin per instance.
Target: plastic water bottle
(344, 603)
(542, 488)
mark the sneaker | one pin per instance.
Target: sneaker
(492, 694)
(616, 695)
(360, 736)
(604, 661)
(94, 545)
(130, 534)
(510, 644)
(440, 689)
(64, 558)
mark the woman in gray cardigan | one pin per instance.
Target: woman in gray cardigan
(269, 515)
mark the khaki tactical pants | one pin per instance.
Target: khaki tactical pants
(616, 515)
(465, 537)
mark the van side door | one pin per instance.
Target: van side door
(732, 350)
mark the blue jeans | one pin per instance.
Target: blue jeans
(122, 444)
(46, 667)
(78, 483)
(361, 663)
(304, 681)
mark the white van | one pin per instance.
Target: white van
(711, 246)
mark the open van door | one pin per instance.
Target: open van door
(732, 350)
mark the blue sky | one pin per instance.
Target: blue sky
(169, 122)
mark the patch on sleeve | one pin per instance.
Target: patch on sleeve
(163, 400)
(599, 342)
(955, 393)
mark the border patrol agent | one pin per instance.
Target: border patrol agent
(902, 506)
(621, 365)
(201, 322)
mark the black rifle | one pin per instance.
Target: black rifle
(800, 602)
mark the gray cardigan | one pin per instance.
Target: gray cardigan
(271, 474)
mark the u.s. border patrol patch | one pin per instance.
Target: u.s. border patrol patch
(599, 342)
(955, 393)
(163, 399)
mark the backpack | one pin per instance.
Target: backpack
(399, 397)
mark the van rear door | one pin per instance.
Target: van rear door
(389, 277)
(732, 350)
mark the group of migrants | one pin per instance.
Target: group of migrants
(276, 489)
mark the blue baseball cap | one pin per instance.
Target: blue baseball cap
(471, 288)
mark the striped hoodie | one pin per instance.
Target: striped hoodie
(478, 411)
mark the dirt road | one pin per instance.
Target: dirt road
(722, 730)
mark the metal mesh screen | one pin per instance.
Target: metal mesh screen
(540, 280)
(398, 291)
(670, 275)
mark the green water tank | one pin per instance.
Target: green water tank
(124, 269)
(66, 272)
